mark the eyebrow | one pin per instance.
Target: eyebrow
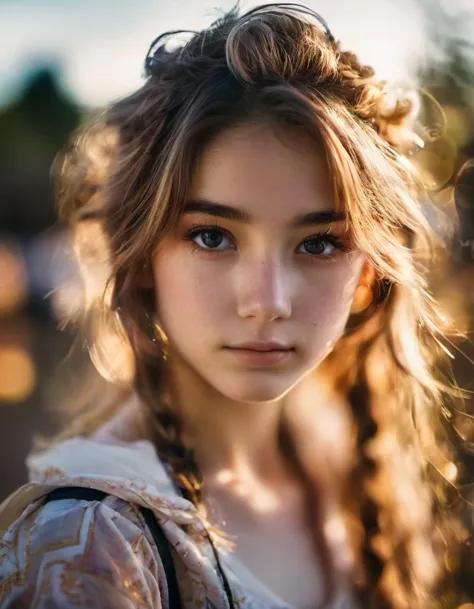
(220, 210)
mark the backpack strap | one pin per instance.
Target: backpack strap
(92, 494)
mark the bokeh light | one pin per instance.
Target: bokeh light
(17, 374)
(13, 281)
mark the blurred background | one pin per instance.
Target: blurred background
(62, 60)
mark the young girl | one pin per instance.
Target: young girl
(254, 261)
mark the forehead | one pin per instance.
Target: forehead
(264, 171)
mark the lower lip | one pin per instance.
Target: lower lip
(260, 358)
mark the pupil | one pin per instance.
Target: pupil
(315, 246)
(212, 238)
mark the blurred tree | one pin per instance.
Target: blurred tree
(32, 130)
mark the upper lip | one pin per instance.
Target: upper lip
(257, 345)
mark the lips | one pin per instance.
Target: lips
(260, 354)
(261, 346)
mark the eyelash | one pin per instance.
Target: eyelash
(194, 231)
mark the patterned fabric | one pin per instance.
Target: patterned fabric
(72, 553)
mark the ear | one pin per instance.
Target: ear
(368, 275)
(364, 293)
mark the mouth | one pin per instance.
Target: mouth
(260, 354)
(262, 347)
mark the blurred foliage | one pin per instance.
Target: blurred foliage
(32, 130)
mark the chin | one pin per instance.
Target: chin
(261, 390)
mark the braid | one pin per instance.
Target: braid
(167, 428)
(149, 344)
(368, 578)
(395, 547)
(180, 458)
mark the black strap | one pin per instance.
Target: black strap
(92, 494)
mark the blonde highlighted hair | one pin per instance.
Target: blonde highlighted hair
(127, 176)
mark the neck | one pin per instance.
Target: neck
(230, 439)
(236, 444)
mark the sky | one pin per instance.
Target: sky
(98, 46)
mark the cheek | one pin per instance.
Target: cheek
(188, 292)
(327, 300)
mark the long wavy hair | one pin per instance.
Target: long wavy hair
(122, 186)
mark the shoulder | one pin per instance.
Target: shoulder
(74, 553)
(133, 465)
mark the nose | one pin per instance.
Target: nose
(264, 290)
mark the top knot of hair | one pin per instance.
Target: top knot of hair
(270, 44)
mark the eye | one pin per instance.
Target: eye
(210, 238)
(321, 245)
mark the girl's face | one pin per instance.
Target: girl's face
(255, 285)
